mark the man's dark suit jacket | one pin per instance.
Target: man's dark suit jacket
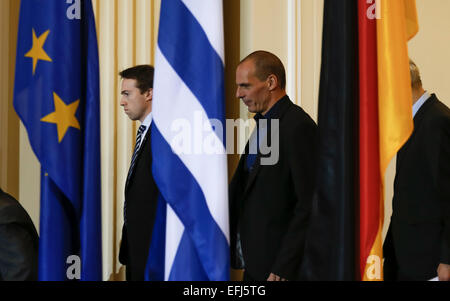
(141, 196)
(272, 203)
(419, 234)
(19, 241)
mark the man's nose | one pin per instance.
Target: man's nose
(122, 101)
(238, 92)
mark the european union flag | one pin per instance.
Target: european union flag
(56, 95)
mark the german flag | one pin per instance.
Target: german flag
(385, 121)
(365, 116)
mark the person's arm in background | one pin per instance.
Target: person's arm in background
(18, 254)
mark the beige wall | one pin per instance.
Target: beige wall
(263, 27)
(292, 30)
(430, 48)
(311, 52)
(9, 122)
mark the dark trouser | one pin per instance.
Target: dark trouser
(248, 277)
(128, 273)
(390, 270)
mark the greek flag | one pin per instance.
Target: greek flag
(190, 239)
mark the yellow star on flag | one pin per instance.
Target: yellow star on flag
(37, 52)
(64, 116)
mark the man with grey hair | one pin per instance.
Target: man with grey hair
(417, 246)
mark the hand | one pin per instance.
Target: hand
(273, 277)
(443, 272)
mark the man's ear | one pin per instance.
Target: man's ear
(149, 94)
(272, 81)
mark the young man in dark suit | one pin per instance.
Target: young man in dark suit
(270, 200)
(19, 242)
(417, 246)
(140, 189)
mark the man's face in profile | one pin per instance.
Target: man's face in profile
(134, 103)
(251, 90)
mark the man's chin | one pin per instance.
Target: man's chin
(251, 110)
(132, 118)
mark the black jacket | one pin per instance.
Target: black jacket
(141, 196)
(272, 203)
(19, 241)
(419, 234)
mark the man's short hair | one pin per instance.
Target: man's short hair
(267, 63)
(416, 81)
(143, 74)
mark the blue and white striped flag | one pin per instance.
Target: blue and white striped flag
(188, 145)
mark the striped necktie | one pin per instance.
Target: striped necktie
(133, 162)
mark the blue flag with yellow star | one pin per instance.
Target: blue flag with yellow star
(56, 95)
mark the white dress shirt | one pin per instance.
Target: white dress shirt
(420, 102)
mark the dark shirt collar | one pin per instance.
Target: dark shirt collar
(273, 111)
